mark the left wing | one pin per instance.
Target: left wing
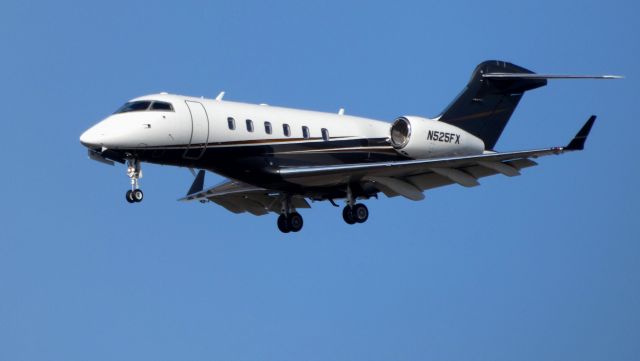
(239, 197)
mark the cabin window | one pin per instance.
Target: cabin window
(286, 130)
(325, 134)
(305, 132)
(231, 123)
(162, 106)
(249, 125)
(267, 127)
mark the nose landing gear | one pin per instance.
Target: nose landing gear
(134, 171)
(134, 196)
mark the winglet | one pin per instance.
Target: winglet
(578, 141)
(198, 183)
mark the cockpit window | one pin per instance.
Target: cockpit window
(161, 106)
(134, 106)
(141, 105)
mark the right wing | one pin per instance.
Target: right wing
(410, 177)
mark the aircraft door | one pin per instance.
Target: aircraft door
(199, 130)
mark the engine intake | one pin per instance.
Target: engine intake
(400, 133)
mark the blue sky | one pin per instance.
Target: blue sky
(543, 266)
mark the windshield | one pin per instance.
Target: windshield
(142, 105)
(161, 106)
(134, 107)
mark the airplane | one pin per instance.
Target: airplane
(276, 159)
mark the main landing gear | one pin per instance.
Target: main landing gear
(358, 213)
(354, 212)
(134, 195)
(289, 220)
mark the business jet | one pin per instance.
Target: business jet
(277, 159)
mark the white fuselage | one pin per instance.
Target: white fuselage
(234, 138)
(187, 124)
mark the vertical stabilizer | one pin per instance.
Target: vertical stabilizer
(485, 105)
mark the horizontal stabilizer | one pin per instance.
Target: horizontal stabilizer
(546, 76)
(577, 143)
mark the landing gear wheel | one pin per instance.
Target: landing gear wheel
(137, 195)
(295, 222)
(283, 225)
(360, 213)
(347, 215)
(129, 196)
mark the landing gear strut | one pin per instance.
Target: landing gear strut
(134, 195)
(289, 221)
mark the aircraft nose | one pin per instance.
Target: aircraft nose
(91, 138)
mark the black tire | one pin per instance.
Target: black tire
(283, 225)
(137, 195)
(295, 222)
(360, 213)
(129, 197)
(347, 215)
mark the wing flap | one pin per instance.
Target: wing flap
(433, 180)
(458, 176)
(398, 186)
(229, 205)
(500, 167)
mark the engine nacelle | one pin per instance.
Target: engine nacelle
(421, 138)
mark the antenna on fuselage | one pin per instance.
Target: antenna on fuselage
(220, 96)
(341, 111)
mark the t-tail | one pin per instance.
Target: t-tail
(485, 105)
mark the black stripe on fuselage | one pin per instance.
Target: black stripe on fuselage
(257, 164)
(241, 142)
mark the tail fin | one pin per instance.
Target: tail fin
(486, 103)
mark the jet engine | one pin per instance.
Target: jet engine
(421, 138)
